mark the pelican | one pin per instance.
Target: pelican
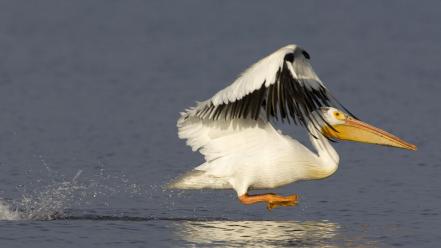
(242, 149)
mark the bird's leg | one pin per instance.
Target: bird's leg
(272, 200)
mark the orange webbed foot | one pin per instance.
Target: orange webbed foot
(272, 200)
(282, 201)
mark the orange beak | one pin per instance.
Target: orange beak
(355, 130)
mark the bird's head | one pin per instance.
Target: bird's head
(343, 127)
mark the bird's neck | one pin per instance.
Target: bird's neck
(327, 156)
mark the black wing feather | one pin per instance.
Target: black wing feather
(287, 98)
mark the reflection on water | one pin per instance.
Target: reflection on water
(259, 233)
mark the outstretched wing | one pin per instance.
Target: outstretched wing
(282, 86)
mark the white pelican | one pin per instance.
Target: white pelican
(243, 151)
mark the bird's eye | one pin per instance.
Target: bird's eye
(337, 114)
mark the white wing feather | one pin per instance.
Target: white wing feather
(282, 84)
(264, 71)
(242, 154)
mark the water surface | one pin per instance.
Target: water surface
(90, 93)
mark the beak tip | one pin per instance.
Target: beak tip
(411, 147)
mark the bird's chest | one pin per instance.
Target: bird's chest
(276, 174)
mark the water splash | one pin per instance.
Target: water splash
(50, 198)
(6, 212)
(43, 203)
(49, 203)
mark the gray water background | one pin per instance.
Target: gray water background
(90, 92)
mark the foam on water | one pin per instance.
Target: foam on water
(6, 213)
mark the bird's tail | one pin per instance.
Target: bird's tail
(197, 179)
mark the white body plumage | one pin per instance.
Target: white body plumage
(243, 155)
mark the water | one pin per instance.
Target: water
(90, 93)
